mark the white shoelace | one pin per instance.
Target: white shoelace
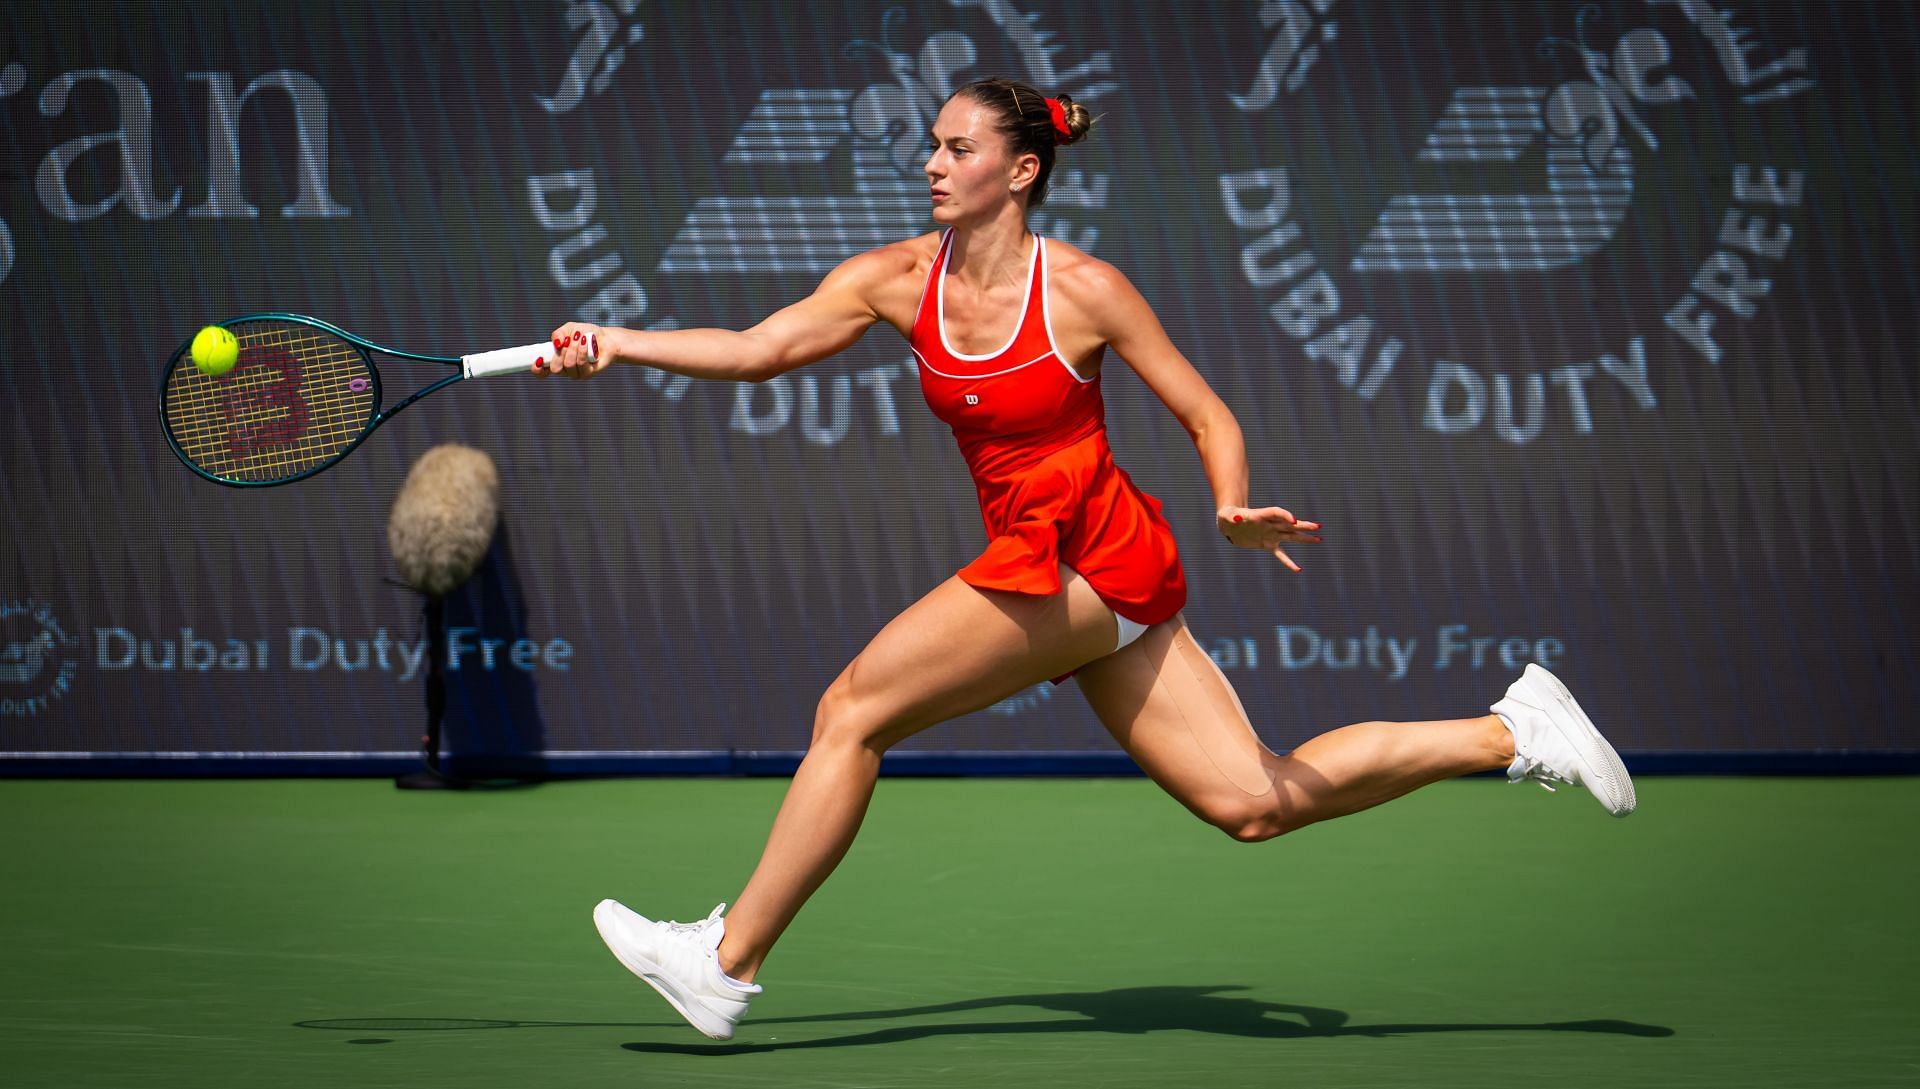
(1538, 772)
(693, 930)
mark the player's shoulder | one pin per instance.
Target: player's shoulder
(894, 259)
(1082, 276)
(885, 280)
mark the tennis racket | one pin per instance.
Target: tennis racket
(302, 395)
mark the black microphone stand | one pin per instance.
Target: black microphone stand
(432, 777)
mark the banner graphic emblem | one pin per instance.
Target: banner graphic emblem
(1519, 201)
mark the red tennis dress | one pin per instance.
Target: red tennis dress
(1035, 438)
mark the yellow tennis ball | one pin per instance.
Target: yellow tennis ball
(215, 351)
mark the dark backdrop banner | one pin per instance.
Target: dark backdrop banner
(1587, 330)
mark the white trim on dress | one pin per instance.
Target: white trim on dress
(940, 307)
(1046, 320)
(988, 374)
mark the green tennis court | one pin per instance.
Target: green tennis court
(1735, 932)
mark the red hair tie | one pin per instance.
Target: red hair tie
(1061, 133)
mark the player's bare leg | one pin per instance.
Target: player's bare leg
(956, 650)
(1169, 706)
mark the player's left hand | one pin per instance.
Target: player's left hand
(1267, 529)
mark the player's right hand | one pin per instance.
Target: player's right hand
(1267, 529)
(578, 352)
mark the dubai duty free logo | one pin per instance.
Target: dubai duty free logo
(38, 659)
(1556, 155)
(871, 114)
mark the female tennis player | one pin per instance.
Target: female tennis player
(1080, 575)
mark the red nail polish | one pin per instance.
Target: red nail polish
(1237, 518)
(539, 362)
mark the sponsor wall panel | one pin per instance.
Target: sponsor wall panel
(1585, 328)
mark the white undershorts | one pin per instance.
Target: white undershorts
(1129, 629)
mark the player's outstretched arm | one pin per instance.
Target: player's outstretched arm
(1125, 322)
(820, 325)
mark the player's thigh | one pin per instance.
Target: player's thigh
(959, 649)
(1166, 703)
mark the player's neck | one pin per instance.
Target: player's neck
(996, 252)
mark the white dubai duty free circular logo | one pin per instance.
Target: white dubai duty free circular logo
(854, 144)
(38, 659)
(1499, 280)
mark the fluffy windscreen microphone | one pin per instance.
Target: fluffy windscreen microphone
(444, 518)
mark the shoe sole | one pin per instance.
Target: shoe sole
(653, 975)
(1599, 754)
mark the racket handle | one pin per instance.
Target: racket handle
(510, 360)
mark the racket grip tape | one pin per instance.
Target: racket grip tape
(510, 360)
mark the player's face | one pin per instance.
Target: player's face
(970, 169)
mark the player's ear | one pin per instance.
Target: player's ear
(1025, 169)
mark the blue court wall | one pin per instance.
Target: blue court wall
(1586, 329)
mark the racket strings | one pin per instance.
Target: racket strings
(297, 398)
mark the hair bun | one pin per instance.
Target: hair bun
(1079, 119)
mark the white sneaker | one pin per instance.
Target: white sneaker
(678, 960)
(1554, 741)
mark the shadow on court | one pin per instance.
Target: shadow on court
(460, 1024)
(1128, 1011)
(1135, 1011)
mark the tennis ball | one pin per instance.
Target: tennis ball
(215, 351)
